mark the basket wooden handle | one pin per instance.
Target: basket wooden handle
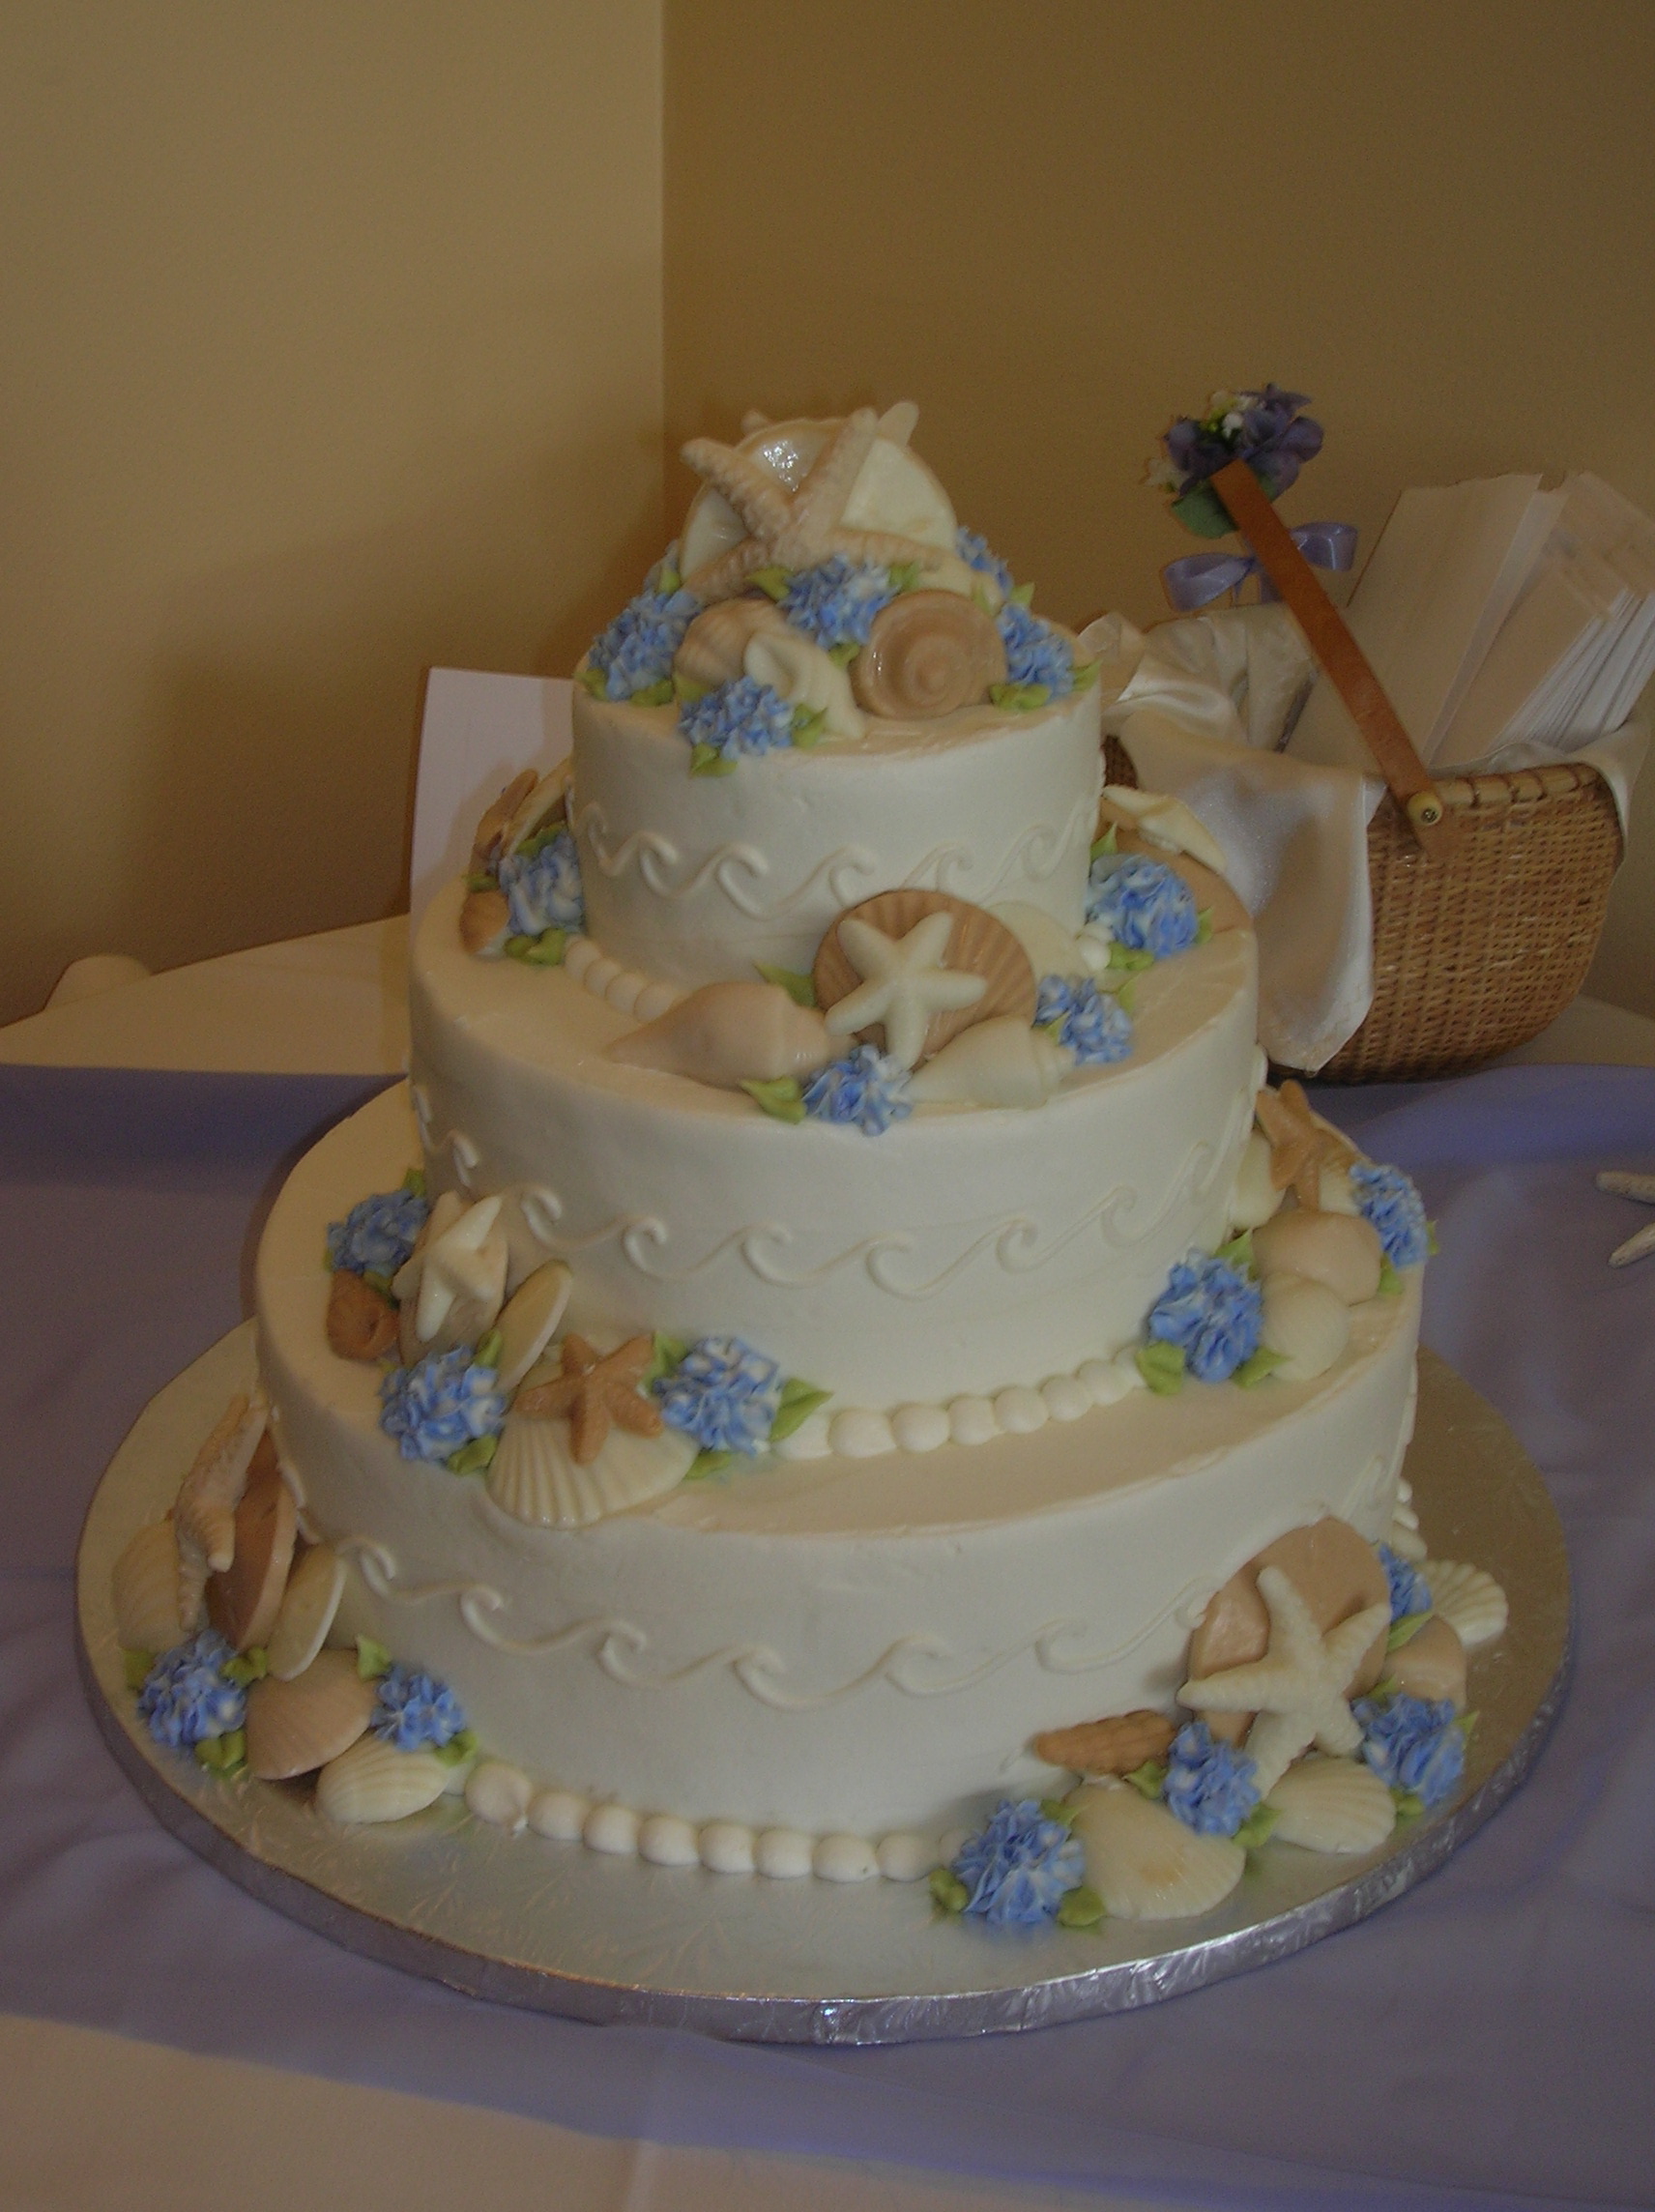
(1341, 656)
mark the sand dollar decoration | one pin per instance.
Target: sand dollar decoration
(244, 1601)
(976, 945)
(928, 653)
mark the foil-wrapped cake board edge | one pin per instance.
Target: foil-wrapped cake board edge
(556, 1928)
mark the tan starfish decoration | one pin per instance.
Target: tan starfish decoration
(594, 1391)
(798, 528)
(1301, 1145)
(204, 1515)
(1298, 1689)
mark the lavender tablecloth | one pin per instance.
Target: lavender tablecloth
(1486, 2040)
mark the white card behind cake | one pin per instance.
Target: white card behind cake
(477, 732)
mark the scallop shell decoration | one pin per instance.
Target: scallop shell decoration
(713, 649)
(535, 1479)
(1332, 1805)
(928, 653)
(1001, 1062)
(977, 945)
(529, 1320)
(1145, 1864)
(536, 811)
(1470, 1601)
(295, 1727)
(729, 1033)
(145, 1591)
(308, 1605)
(498, 818)
(374, 1781)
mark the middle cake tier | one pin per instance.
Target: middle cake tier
(964, 1251)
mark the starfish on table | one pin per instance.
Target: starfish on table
(798, 528)
(466, 1262)
(904, 983)
(1642, 1189)
(1301, 1145)
(594, 1391)
(1298, 1689)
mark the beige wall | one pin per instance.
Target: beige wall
(330, 347)
(1056, 225)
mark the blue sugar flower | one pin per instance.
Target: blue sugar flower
(1389, 1200)
(416, 1709)
(1034, 651)
(186, 1697)
(868, 1091)
(543, 888)
(1413, 1744)
(443, 1404)
(835, 603)
(742, 718)
(1210, 1787)
(1018, 1870)
(1410, 1593)
(1214, 1312)
(1147, 906)
(1266, 428)
(378, 1233)
(637, 651)
(975, 552)
(722, 1393)
(1092, 1024)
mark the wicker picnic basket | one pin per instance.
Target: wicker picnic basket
(1477, 950)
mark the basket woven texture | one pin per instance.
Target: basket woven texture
(1476, 951)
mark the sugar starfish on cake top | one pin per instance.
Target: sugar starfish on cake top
(1298, 1689)
(794, 528)
(1300, 1145)
(594, 1391)
(463, 1266)
(904, 983)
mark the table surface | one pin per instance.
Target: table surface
(77, 2098)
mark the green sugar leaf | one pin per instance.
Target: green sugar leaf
(1202, 511)
(372, 1659)
(378, 1281)
(1081, 1907)
(1085, 675)
(1430, 1244)
(668, 580)
(799, 1401)
(1239, 1252)
(474, 1458)
(705, 1463)
(1258, 1827)
(799, 988)
(1054, 1809)
(808, 724)
(1149, 1779)
(1466, 1723)
(1203, 925)
(844, 653)
(595, 681)
(1131, 962)
(1263, 1362)
(779, 1098)
(947, 1891)
(481, 882)
(1410, 1805)
(1390, 1282)
(1384, 1690)
(251, 1666)
(1162, 1367)
(1022, 596)
(548, 949)
(904, 576)
(1125, 995)
(667, 1355)
(224, 1755)
(414, 1182)
(1107, 843)
(458, 1748)
(1404, 1630)
(518, 948)
(488, 1348)
(707, 760)
(660, 694)
(1020, 698)
(686, 690)
(771, 581)
(136, 1666)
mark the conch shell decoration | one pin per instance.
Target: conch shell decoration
(729, 1033)
(800, 672)
(713, 650)
(928, 652)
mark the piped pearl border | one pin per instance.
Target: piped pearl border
(506, 1797)
(628, 989)
(856, 1432)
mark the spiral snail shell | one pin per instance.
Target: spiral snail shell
(928, 652)
(711, 649)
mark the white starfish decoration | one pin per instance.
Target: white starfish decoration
(1642, 1189)
(466, 1262)
(1298, 1689)
(904, 983)
(798, 528)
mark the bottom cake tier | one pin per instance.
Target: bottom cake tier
(828, 1647)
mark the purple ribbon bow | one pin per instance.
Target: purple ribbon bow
(1199, 578)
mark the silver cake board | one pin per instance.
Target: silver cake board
(557, 1928)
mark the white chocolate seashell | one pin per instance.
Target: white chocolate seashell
(533, 814)
(996, 1062)
(308, 1605)
(297, 1725)
(1431, 1664)
(1254, 1197)
(1332, 1805)
(1470, 1601)
(1306, 1323)
(499, 1794)
(461, 1283)
(535, 1479)
(529, 1320)
(1145, 1864)
(798, 670)
(1051, 949)
(204, 1514)
(929, 653)
(145, 1590)
(729, 1033)
(485, 923)
(1334, 1194)
(1405, 1540)
(1339, 1249)
(1167, 822)
(713, 648)
(374, 1781)
(498, 817)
